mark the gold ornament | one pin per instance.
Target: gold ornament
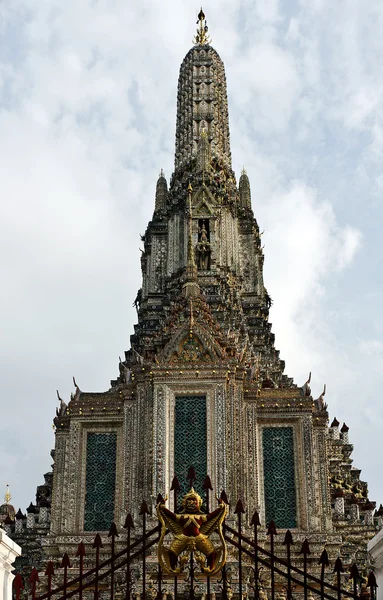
(202, 37)
(191, 529)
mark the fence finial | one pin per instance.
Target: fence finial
(272, 530)
(239, 509)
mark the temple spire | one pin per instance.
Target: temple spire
(202, 37)
(244, 190)
(202, 103)
(161, 193)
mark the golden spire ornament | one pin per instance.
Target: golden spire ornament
(202, 37)
(7, 496)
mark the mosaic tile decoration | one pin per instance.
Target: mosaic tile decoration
(190, 440)
(100, 481)
(279, 477)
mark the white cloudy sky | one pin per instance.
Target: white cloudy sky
(87, 119)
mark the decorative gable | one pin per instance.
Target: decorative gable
(194, 346)
(203, 202)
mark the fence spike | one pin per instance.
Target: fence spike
(160, 499)
(354, 573)
(18, 585)
(81, 553)
(97, 544)
(175, 484)
(128, 525)
(81, 549)
(224, 497)
(97, 541)
(49, 571)
(371, 581)
(239, 509)
(255, 522)
(65, 563)
(144, 510)
(18, 582)
(113, 530)
(338, 566)
(324, 559)
(207, 487)
(34, 578)
(288, 541)
(191, 476)
(305, 548)
(207, 483)
(324, 562)
(113, 534)
(271, 530)
(255, 519)
(129, 522)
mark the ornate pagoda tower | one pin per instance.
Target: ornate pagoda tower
(202, 384)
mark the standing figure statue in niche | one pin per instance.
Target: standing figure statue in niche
(203, 249)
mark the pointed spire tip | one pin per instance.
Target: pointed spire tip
(202, 37)
(7, 496)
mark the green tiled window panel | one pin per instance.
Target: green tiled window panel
(190, 445)
(279, 477)
(100, 481)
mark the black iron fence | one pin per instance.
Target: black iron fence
(253, 571)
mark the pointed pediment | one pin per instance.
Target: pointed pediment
(196, 346)
(203, 202)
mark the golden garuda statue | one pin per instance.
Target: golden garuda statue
(191, 529)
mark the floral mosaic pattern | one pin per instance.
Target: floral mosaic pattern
(278, 468)
(190, 443)
(100, 481)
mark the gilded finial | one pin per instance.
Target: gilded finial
(7, 496)
(202, 37)
(190, 189)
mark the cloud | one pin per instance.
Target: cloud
(308, 249)
(371, 347)
(87, 115)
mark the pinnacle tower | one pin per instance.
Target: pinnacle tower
(202, 104)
